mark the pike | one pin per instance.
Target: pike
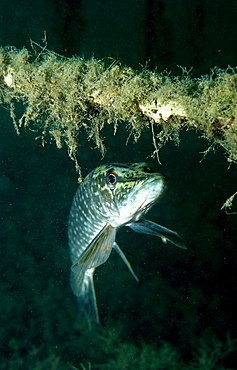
(111, 196)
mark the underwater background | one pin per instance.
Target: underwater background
(182, 313)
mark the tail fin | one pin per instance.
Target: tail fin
(86, 298)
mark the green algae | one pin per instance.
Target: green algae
(58, 97)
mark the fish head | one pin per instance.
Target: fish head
(122, 193)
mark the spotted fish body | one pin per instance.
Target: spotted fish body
(111, 196)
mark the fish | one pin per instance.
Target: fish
(110, 196)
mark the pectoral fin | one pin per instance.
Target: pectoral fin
(98, 250)
(148, 227)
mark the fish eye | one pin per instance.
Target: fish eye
(111, 179)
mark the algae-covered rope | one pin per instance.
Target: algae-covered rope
(62, 95)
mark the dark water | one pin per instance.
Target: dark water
(182, 313)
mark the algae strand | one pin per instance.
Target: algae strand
(60, 96)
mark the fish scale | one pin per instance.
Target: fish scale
(82, 214)
(111, 196)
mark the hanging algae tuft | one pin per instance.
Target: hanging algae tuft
(59, 96)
